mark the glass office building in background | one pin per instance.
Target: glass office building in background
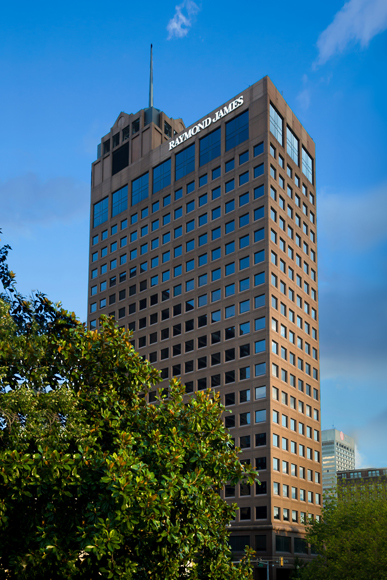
(203, 243)
(338, 454)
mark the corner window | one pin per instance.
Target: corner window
(101, 213)
(307, 165)
(292, 145)
(276, 124)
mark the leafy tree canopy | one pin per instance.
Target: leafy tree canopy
(351, 538)
(94, 482)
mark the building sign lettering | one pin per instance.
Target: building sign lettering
(206, 123)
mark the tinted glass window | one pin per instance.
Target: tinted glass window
(140, 188)
(185, 162)
(101, 212)
(209, 147)
(120, 201)
(161, 176)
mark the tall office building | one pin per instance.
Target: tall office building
(338, 454)
(203, 242)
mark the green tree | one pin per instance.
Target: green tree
(94, 482)
(298, 565)
(351, 538)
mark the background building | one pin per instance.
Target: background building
(338, 454)
(362, 476)
(203, 242)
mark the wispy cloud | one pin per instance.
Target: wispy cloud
(346, 221)
(357, 22)
(183, 19)
(371, 435)
(27, 201)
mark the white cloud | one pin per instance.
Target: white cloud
(357, 22)
(183, 19)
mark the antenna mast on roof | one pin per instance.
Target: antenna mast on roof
(151, 79)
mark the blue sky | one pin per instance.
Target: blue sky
(69, 69)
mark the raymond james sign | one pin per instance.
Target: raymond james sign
(206, 123)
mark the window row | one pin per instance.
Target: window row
(216, 233)
(293, 447)
(191, 224)
(293, 215)
(261, 488)
(302, 284)
(304, 246)
(189, 285)
(216, 253)
(105, 233)
(291, 356)
(291, 175)
(289, 292)
(217, 358)
(237, 131)
(282, 543)
(178, 212)
(229, 333)
(229, 377)
(213, 317)
(289, 423)
(291, 401)
(178, 269)
(290, 378)
(177, 309)
(301, 323)
(245, 514)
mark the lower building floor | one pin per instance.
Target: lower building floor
(278, 552)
